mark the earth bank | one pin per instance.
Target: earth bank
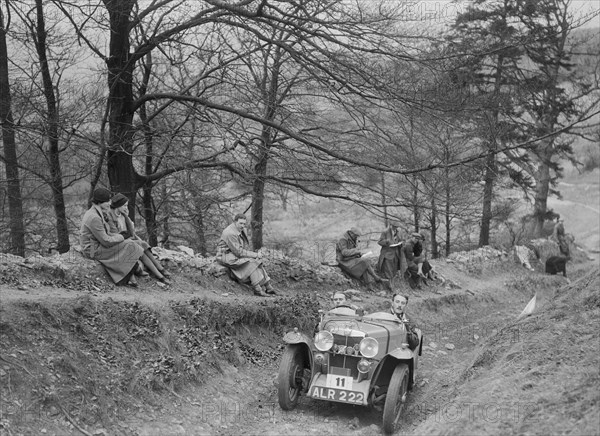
(200, 357)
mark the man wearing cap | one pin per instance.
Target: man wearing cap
(409, 262)
(118, 255)
(350, 260)
(389, 256)
(558, 234)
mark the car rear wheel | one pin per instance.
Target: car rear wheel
(395, 398)
(291, 371)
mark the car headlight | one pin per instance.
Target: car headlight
(369, 347)
(323, 340)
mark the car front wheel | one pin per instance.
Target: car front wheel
(289, 383)
(395, 398)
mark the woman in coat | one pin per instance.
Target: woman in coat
(118, 255)
(120, 222)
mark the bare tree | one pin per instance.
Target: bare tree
(15, 204)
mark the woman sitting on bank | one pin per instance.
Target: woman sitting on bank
(118, 255)
(120, 222)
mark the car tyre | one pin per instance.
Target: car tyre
(395, 398)
(291, 371)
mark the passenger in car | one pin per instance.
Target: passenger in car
(399, 303)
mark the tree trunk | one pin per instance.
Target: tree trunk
(542, 188)
(150, 215)
(199, 221)
(383, 201)
(15, 202)
(488, 192)
(447, 217)
(433, 223)
(56, 182)
(416, 214)
(121, 173)
(258, 192)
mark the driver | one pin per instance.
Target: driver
(339, 299)
(399, 303)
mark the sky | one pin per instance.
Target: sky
(445, 10)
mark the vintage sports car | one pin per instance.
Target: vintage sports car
(353, 358)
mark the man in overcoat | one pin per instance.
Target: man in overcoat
(350, 259)
(246, 265)
(389, 256)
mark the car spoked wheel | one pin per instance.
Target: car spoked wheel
(289, 383)
(395, 398)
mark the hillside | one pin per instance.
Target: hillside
(80, 356)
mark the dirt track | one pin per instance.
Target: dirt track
(245, 401)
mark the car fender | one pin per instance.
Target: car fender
(302, 340)
(383, 372)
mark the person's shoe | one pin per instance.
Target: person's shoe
(377, 278)
(132, 282)
(269, 289)
(164, 280)
(258, 290)
(165, 273)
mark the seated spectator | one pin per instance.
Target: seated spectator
(409, 262)
(527, 254)
(399, 303)
(389, 256)
(350, 258)
(246, 265)
(120, 222)
(118, 255)
(424, 268)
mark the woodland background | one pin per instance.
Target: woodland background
(442, 115)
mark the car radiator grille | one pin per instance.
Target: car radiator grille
(344, 360)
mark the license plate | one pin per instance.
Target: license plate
(336, 381)
(337, 395)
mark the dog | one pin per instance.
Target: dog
(556, 264)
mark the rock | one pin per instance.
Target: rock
(352, 292)
(449, 346)
(100, 432)
(355, 298)
(433, 345)
(442, 352)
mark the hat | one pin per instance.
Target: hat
(118, 200)
(356, 231)
(101, 195)
(417, 235)
(395, 223)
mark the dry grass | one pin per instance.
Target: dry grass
(544, 382)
